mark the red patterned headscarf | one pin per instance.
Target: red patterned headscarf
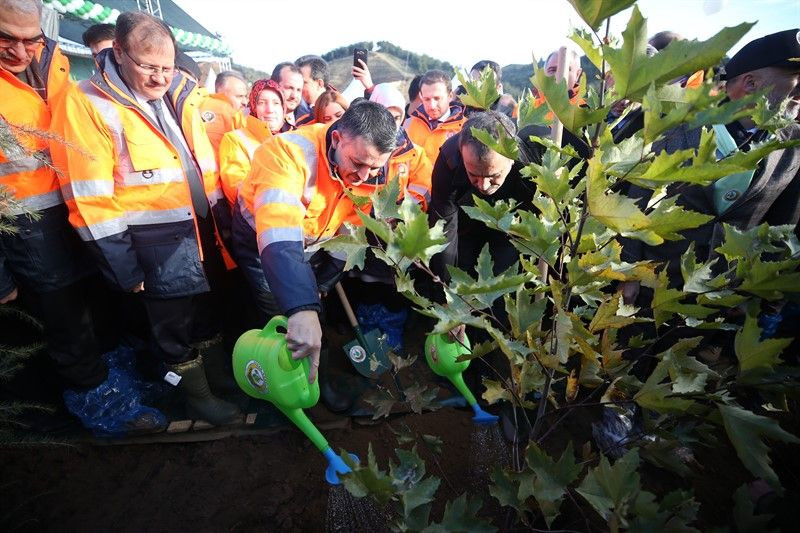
(261, 85)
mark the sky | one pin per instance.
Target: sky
(265, 32)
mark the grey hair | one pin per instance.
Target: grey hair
(27, 7)
(226, 75)
(372, 122)
(490, 122)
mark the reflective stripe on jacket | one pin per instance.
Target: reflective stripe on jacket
(293, 199)
(28, 175)
(236, 153)
(130, 199)
(431, 134)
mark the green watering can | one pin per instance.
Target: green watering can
(264, 369)
(441, 355)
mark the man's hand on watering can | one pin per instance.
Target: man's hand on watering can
(457, 334)
(304, 338)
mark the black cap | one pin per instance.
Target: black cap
(775, 50)
(185, 63)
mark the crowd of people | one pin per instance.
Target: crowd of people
(199, 215)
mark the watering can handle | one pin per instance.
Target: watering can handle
(271, 330)
(272, 326)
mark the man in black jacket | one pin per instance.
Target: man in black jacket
(772, 192)
(465, 167)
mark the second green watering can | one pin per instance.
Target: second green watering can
(442, 355)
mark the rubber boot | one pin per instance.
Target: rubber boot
(217, 361)
(335, 400)
(200, 403)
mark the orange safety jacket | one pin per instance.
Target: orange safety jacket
(236, 154)
(574, 99)
(219, 118)
(293, 199)
(129, 198)
(412, 167)
(31, 179)
(431, 134)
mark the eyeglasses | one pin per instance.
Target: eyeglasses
(151, 69)
(9, 41)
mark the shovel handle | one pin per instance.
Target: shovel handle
(351, 317)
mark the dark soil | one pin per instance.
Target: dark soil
(258, 483)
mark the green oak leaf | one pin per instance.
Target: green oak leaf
(368, 480)
(529, 114)
(573, 117)
(384, 201)
(753, 353)
(353, 245)
(594, 12)
(585, 40)
(481, 93)
(460, 516)
(746, 430)
(550, 479)
(611, 489)
(634, 72)
(506, 144)
(413, 239)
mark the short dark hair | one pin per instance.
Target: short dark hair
(436, 76)
(661, 40)
(318, 67)
(150, 26)
(98, 32)
(488, 121)
(226, 75)
(413, 87)
(276, 72)
(495, 66)
(372, 122)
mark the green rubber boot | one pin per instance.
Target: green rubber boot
(200, 402)
(217, 362)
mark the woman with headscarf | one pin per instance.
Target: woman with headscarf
(267, 117)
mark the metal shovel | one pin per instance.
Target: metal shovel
(369, 352)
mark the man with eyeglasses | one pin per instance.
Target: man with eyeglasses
(44, 262)
(148, 203)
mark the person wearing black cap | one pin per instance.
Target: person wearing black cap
(770, 194)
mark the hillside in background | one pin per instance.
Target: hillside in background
(517, 78)
(389, 63)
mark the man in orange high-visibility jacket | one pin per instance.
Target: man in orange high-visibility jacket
(44, 259)
(223, 111)
(146, 202)
(295, 197)
(438, 118)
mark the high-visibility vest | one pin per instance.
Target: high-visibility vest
(132, 177)
(28, 175)
(413, 168)
(236, 153)
(431, 134)
(293, 200)
(219, 117)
